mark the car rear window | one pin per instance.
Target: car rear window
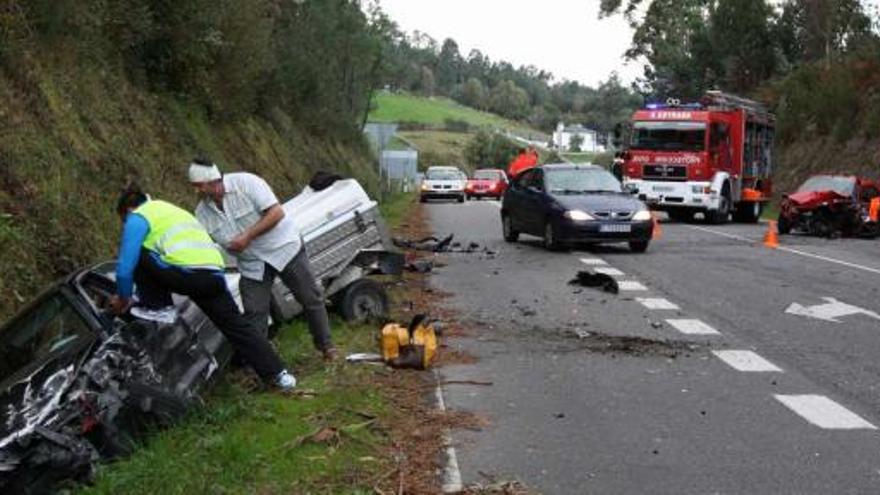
(487, 175)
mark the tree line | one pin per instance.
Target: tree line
(418, 63)
(814, 61)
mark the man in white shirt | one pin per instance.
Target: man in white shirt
(243, 215)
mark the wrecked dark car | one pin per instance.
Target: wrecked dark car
(830, 206)
(78, 385)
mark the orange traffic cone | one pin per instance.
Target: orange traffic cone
(656, 232)
(771, 238)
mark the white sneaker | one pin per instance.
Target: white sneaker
(285, 380)
(167, 314)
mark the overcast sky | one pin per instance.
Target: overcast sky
(564, 37)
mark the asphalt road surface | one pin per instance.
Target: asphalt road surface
(722, 366)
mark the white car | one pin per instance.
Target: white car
(443, 183)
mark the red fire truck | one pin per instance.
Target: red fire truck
(713, 157)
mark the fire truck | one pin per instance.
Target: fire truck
(714, 157)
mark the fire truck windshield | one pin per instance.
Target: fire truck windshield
(669, 136)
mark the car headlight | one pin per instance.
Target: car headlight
(642, 215)
(425, 187)
(578, 215)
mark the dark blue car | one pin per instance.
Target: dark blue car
(574, 204)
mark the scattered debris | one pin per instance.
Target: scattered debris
(587, 278)
(466, 382)
(420, 266)
(429, 243)
(413, 347)
(634, 346)
(364, 357)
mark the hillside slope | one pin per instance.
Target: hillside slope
(72, 137)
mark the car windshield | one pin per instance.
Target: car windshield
(443, 175)
(487, 175)
(669, 136)
(48, 329)
(581, 181)
(840, 185)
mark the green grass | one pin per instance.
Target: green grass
(253, 441)
(439, 147)
(395, 207)
(435, 111)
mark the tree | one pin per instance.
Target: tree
(740, 34)
(448, 66)
(574, 144)
(426, 81)
(509, 100)
(490, 150)
(474, 94)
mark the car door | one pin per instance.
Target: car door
(533, 203)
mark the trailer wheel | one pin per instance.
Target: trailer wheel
(362, 300)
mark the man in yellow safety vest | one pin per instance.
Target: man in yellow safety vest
(164, 249)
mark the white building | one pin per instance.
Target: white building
(589, 138)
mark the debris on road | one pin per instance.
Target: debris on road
(364, 357)
(587, 278)
(429, 243)
(633, 346)
(420, 266)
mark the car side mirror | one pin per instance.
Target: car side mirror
(631, 188)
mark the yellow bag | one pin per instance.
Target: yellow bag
(413, 347)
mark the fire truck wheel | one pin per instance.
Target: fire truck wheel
(748, 212)
(681, 215)
(722, 214)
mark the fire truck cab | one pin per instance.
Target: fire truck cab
(714, 157)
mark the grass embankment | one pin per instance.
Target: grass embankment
(76, 135)
(246, 441)
(439, 128)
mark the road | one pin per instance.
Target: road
(723, 392)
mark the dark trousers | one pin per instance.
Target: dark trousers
(207, 288)
(298, 277)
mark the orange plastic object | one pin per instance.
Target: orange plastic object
(874, 209)
(771, 238)
(752, 195)
(656, 231)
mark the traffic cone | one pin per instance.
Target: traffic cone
(656, 232)
(771, 238)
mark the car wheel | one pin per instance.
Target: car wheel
(783, 225)
(146, 408)
(462, 198)
(551, 237)
(510, 235)
(423, 199)
(362, 300)
(638, 246)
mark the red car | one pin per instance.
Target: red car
(832, 205)
(486, 183)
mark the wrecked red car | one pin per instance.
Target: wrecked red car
(78, 385)
(832, 205)
(486, 183)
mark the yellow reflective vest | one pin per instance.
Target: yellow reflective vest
(177, 237)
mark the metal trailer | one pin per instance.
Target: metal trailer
(346, 240)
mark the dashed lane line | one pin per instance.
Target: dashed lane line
(631, 285)
(607, 270)
(791, 250)
(656, 303)
(747, 361)
(593, 261)
(692, 327)
(824, 412)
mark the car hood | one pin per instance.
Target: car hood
(812, 199)
(439, 182)
(592, 203)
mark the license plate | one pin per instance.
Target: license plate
(663, 188)
(615, 228)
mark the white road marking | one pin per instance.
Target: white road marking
(830, 311)
(693, 327)
(656, 303)
(792, 250)
(613, 272)
(824, 412)
(631, 285)
(451, 481)
(593, 261)
(746, 361)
